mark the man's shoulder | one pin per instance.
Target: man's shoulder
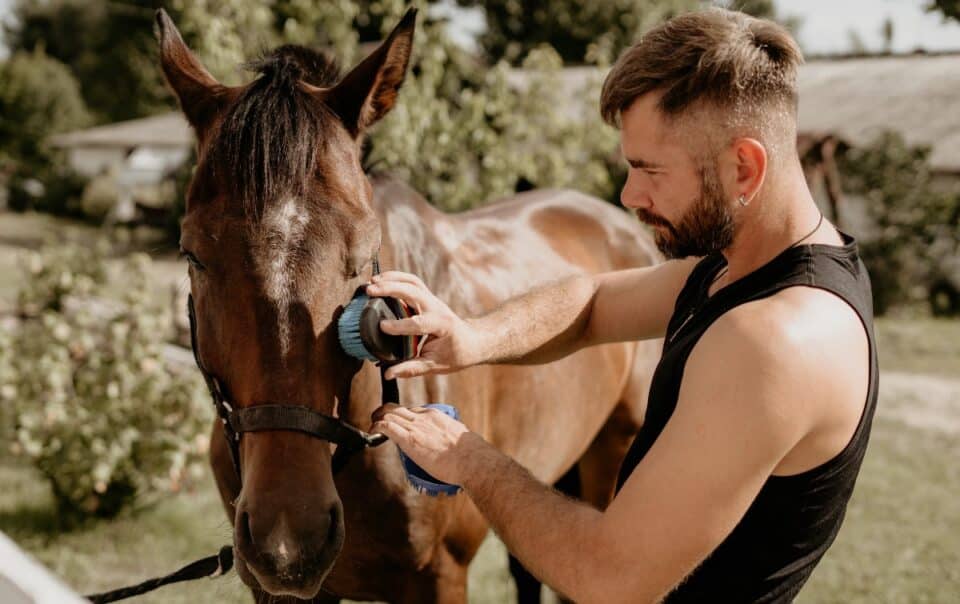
(792, 343)
(787, 325)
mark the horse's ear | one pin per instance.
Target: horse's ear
(201, 96)
(369, 91)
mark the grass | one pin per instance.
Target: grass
(922, 345)
(148, 542)
(899, 543)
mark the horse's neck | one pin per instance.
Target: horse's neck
(418, 238)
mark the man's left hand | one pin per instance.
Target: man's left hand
(435, 441)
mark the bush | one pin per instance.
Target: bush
(916, 224)
(95, 405)
(38, 97)
(58, 272)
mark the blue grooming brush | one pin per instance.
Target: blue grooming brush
(358, 330)
(421, 481)
(349, 329)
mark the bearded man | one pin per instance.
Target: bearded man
(760, 409)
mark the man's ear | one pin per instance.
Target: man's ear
(201, 96)
(750, 159)
(369, 91)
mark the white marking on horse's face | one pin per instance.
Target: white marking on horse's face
(282, 231)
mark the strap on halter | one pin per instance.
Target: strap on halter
(349, 439)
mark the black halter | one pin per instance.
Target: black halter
(349, 439)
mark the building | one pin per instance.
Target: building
(136, 156)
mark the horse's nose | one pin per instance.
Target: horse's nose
(287, 557)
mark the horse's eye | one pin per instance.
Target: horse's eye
(194, 262)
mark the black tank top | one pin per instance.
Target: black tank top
(773, 549)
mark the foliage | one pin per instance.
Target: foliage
(462, 137)
(109, 46)
(597, 30)
(917, 225)
(95, 406)
(949, 8)
(582, 31)
(47, 188)
(38, 97)
(59, 272)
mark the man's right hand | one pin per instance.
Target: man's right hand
(451, 342)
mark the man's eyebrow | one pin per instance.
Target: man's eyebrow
(643, 164)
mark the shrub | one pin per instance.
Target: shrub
(38, 97)
(60, 271)
(916, 224)
(95, 404)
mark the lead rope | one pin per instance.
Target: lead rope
(222, 562)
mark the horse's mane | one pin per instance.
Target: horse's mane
(266, 146)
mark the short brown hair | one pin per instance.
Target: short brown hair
(725, 59)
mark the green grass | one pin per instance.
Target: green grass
(157, 540)
(900, 541)
(919, 345)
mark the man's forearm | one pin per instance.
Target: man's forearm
(543, 325)
(555, 537)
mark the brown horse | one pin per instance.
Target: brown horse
(280, 228)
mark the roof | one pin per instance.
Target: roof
(915, 95)
(168, 129)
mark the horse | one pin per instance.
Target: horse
(282, 226)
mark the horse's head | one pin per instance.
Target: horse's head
(279, 231)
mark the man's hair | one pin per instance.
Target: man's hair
(716, 59)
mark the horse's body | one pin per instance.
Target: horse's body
(280, 228)
(403, 546)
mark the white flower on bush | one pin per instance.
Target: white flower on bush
(92, 402)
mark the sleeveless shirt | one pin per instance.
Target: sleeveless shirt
(793, 520)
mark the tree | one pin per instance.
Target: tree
(38, 97)
(916, 223)
(582, 31)
(578, 31)
(949, 8)
(109, 47)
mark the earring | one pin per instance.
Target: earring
(742, 200)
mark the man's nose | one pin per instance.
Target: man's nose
(633, 195)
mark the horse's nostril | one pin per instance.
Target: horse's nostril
(243, 530)
(334, 526)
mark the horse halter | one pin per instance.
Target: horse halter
(274, 416)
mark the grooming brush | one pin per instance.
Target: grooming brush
(418, 477)
(358, 330)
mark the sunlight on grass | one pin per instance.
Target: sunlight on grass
(899, 542)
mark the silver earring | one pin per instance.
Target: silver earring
(742, 200)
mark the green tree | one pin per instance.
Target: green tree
(38, 97)
(578, 31)
(109, 47)
(582, 31)
(916, 224)
(949, 8)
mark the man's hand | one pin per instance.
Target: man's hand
(435, 441)
(452, 343)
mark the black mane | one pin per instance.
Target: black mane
(266, 147)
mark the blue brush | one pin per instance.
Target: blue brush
(418, 477)
(349, 332)
(358, 330)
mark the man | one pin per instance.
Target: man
(760, 409)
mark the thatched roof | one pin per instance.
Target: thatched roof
(166, 130)
(915, 95)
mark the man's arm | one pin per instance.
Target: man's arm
(740, 411)
(545, 324)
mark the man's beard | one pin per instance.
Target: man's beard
(707, 227)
